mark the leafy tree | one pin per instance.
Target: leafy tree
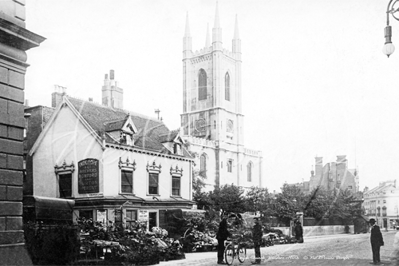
(288, 202)
(228, 198)
(317, 203)
(259, 200)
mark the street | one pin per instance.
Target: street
(345, 249)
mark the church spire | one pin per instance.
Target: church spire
(217, 31)
(237, 41)
(208, 38)
(187, 42)
(217, 21)
(187, 31)
(236, 33)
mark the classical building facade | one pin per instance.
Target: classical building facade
(15, 40)
(382, 203)
(115, 165)
(212, 121)
(332, 175)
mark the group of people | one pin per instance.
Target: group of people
(223, 233)
(257, 233)
(376, 239)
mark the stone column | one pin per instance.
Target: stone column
(14, 41)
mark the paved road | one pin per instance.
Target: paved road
(337, 250)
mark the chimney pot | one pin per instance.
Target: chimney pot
(112, 74)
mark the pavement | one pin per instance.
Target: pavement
(341, 249)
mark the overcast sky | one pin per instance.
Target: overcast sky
(314, 78)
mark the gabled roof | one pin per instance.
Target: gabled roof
(172, 136)
(102, 118)
(99, 120)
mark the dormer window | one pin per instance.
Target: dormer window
(177, 149)
(126, 138)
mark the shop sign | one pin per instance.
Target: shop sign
(143, 215)
(101, 216)
(88, 176)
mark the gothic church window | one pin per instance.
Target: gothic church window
(202, 81)
(202, 165)
(249, 172)
(230, 166)
(227, 86)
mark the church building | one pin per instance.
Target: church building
(212, 120)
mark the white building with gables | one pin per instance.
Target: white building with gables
(116, 166)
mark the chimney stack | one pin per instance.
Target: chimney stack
(56, 96)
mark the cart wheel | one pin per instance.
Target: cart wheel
(242, 253)
(229, 254)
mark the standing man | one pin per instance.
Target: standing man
(298, 232)
(257, 238)
(221, 236)
(395, 253)
(376, 241)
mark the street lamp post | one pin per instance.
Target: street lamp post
(389, 48)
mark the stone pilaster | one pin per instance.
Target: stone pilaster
(14, 41)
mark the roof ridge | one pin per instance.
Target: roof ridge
(116, 109)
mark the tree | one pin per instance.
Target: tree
(259, 200)
(228, 198)
(317, 204)
(288, 202)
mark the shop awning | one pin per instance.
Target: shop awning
(47, 209)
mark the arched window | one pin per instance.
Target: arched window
(249, 172)
(202, 81)
(227, 86)
(202, 165)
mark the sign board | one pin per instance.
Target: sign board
(143, 215)
(101, 216)
(88, 176)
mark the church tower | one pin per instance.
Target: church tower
(212, 88)
(212, 119)
(112, 95)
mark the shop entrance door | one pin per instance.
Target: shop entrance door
(152, 216)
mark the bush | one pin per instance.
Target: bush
(51, 244)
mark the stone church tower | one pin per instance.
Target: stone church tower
(112, 95)
(212, 119)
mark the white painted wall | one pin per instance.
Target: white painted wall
(66, 140)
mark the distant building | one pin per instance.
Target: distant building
(333, 175)
(382, 203)
(212, 121)
(112, 95)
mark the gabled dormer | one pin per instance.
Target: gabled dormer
(122, 131)
(173, 142)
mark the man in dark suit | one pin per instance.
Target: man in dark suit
(257, 238)
(221, 236)
(376, 241)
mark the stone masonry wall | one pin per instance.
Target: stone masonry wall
(14, 41)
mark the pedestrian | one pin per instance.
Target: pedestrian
(257, 238)
(395, 253)
(298, 232)
(221, 236)
(376, 241)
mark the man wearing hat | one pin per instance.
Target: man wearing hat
(257, 238)
(222, 235)
(376, 241)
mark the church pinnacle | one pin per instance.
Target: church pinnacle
(208, 41)
(236, 33)
(187, 42)
(187, 31)
(217, 31)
